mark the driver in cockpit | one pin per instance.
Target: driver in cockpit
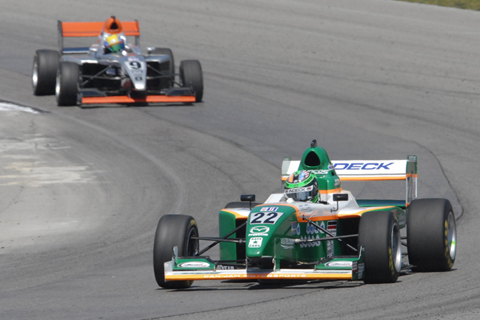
(301, 186)
(112, 37)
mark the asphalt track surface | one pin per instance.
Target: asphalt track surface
(83, 188)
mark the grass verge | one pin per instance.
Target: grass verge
(462, 4)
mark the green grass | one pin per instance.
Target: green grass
(462, 4)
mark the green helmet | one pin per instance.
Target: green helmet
(302, 186)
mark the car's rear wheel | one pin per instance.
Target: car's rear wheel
(66, 87)
(380, 236)
(431, 235)
(44, 72)
(191, 76)
(173, 230)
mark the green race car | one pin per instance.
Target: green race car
(315, 230)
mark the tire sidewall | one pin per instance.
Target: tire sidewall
(377, 231)
(192, 76)
(66, 86)
(44, 68)
(428, 231)
(173, 230)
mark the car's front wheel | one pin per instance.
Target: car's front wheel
(191, 76)
(173, 230)
(66, 87)
(380, 236)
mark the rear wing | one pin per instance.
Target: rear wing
(369, 170)
(91, 29)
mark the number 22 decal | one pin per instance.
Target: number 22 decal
(265, 217)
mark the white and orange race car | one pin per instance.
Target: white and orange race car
(112, 70)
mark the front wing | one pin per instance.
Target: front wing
(173, 95)
(202, 268)
(147, 99)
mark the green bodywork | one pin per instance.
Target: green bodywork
(315, 160)
(284, 240)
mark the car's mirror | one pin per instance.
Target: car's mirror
(247, 197)
(340, 197)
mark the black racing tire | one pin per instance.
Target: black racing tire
(431, 235)
(173, 230)
(191, 76)
(379, 234)
(167, 52)
(66, 87)
(44, 72)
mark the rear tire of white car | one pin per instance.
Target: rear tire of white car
(66, 87)
(173, 230)
(380, 236)
(431, 235)
(191, 76)
(44, 72)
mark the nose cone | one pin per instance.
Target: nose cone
(267, 226)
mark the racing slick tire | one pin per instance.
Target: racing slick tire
(44, 72)
(66, 87)
(431, 235)
(379, 234)
(167, 52)
(191, 76)
(173, 230)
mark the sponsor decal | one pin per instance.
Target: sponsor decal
(194, 264)
(311, 229)
(269, 209)
(337, 182)
(310, 244)
(339, 264)
(220, 267)
(361, 269)
(295, 228)
(297, 190)
(287, 243)
(363, 166)
(259, 231)
(255, 242)
(321, 172)
(354, 266)
(332, 227)
(330, 249)
(254, 276)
